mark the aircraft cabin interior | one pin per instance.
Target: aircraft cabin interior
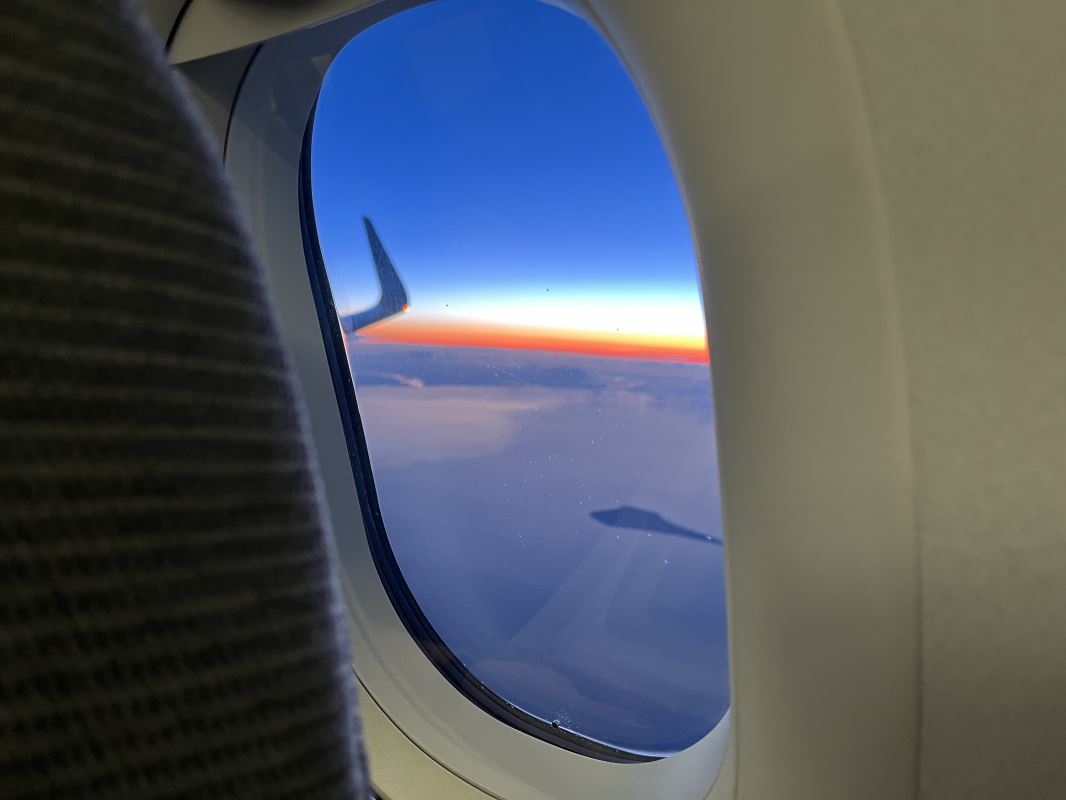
(533, 399)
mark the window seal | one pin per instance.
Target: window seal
(400, 595)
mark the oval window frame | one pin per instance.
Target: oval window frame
(265, 149)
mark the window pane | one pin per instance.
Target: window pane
(539, 422)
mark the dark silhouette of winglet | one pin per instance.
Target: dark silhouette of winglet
(643, 520)
(393, 294)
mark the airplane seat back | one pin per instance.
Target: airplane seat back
(170, 621)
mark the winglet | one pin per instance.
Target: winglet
(393, 294)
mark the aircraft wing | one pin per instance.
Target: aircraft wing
(393, 294)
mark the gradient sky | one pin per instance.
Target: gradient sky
(516, 179)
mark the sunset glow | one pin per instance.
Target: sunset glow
(442, 331)
(657, 326)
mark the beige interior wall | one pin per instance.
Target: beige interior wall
(761, 109)
(968, 108)
(877, 191)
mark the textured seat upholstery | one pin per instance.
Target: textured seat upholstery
(170, 623)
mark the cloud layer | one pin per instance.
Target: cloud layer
(488, 464)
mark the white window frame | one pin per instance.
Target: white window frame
(264, 148)
(762, 111)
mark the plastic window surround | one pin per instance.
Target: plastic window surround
(265, 143)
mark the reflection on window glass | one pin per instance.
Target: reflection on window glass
(532, 377)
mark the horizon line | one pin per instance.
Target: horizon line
(603, 344)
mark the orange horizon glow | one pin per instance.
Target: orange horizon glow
(461, 333)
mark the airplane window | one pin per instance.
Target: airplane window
(516, 293)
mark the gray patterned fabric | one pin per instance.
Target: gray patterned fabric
(169, 617)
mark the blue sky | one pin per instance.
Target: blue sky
(504, 155)
(518, 183)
